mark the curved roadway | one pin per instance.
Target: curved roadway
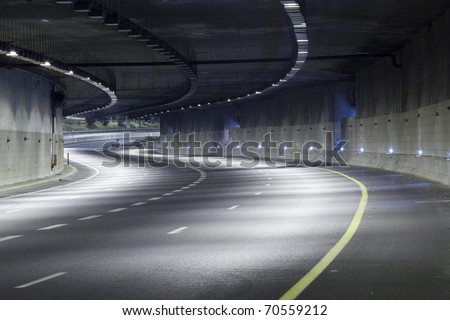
(132, 232)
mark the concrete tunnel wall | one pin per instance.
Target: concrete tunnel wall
(28, 147)
(299, 117)
(405, 109)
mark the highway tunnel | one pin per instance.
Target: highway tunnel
(303, 150)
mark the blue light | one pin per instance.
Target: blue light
(390, 151)
(361, 150)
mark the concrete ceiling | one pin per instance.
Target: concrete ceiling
(238, 46)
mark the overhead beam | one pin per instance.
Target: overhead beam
(359, 56)
(164, 63)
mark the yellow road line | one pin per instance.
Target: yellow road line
(304, 282)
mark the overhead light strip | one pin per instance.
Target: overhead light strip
(297, 20)
(47, 64)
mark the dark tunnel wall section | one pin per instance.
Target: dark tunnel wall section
(422, 81)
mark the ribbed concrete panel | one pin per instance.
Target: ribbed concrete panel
(403, 115)
(28, 144)
(302, 106)
(416, 142)
(423, 80)
(298, 117)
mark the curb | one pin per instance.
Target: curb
(68, 171)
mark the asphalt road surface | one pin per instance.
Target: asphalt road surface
(133, 232)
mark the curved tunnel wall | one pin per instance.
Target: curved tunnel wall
(299, 116)
(31, 141)
(404, 109)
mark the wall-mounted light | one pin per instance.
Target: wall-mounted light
(361, 150)
(12, 53)
(390, 151)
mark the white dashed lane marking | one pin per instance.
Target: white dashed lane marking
(117, 210)
(10, 238)
(137, 204)
(89, 218)
(55, 226)
(258, 193)
(433, 201)
(233, 207)
(15, 210)
(178, 230)
(168, 194)
(154, 199)
(32, 283)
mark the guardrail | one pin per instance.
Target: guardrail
(109, 131)
(70, 139)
